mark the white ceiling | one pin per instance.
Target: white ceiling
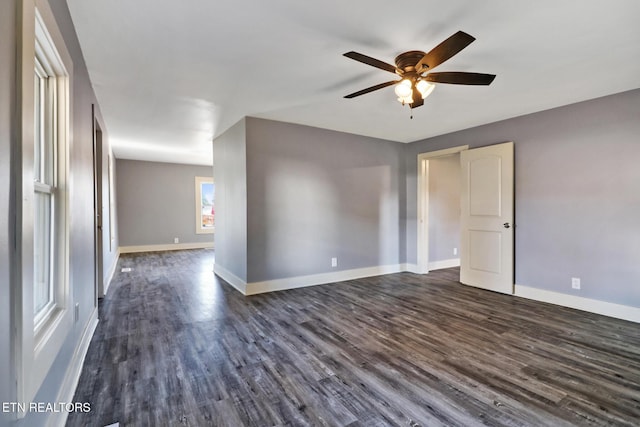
(171, 75)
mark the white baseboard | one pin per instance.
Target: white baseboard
(446, 263)
(411, 268)
(319, 279)
(230, 278)
(254, 288)
(618, 311)
(74, 369)
(112, 270)
(160, 248)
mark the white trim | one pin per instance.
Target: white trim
(311, 280)
(422, 217)
(411, 268)
(230, 278)
(112, 201)
(35, 351)
(106, 281)
(618, 311)
(319, 279)
(422, 201)
(74, 369)
(160, 248)
(445, 263)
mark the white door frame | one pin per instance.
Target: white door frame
(98, 219)
(423, 203)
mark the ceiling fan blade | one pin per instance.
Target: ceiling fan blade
(371, 89)
(460, 78)
(445, 50)
(370, 61)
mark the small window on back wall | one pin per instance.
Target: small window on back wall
(205, 205)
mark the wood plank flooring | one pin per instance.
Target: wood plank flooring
(177, 346)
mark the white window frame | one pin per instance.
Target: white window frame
(39, 336)
(199, 181)
(45, 182)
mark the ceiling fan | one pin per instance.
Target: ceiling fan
(416, 81)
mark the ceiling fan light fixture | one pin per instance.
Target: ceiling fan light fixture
(425, 88)
(404, 89)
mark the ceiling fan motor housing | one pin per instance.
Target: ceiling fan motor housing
(407, 61)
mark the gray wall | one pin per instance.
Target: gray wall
(577, 196)
(314, 194)
(156, 202)
(444, 207)
(230, 175)
(81, 202)
(7, 136)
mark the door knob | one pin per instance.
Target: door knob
(506, 225)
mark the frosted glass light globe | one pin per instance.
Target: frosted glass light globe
(403, 89)
(425, 88)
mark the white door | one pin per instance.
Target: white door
(486, 256)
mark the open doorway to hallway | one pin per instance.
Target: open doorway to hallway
(480, 190)
(439, 189)
(97, 206)
(444, 212)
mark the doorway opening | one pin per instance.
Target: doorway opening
(485, 233)
(439, 177)
(97, 207)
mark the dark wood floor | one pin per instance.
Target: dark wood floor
(177, 346)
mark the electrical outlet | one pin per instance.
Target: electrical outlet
(176, 240)
(575, 282)
(334, 262)
(455, 251)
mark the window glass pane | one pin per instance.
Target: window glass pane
(51, 129)
(42, 293)
(39, 127)
(45, 122)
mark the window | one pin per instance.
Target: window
(205, 205)
(43, 314)
(44, 174)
